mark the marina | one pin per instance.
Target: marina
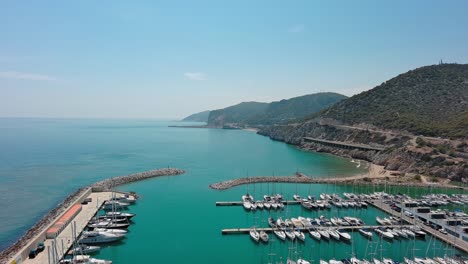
(403, 222)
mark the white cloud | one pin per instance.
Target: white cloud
(297, 28)
(195, 76)
(25, 76)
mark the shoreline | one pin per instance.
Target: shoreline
(100, 186)
(376, 175)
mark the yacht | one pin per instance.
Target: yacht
(112, 231)
(280, 234)
(408, 232)
(120, 214)
(108, 225)
(334, 234)
(290, 234)
(387, 261)
(344, 235)
(254, 235)
(264, 236)
(111, 205)
(299, 235)
(93, 237)
(384, 233)
(324, 234)
(315, 234)
(297, 197)
(381, 221)
(85, 259)
(83, 249)
(365, 232)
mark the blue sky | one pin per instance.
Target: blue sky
(154, 59)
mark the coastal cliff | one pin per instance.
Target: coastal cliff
(402, 152)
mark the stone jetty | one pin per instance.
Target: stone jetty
(110, 183)
(103, 185)
(362, 179)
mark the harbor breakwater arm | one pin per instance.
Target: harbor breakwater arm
(103, 185)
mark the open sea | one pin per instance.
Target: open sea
(44, 160)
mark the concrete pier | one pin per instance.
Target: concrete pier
(233, 231)
(99, 191)
(455, 240)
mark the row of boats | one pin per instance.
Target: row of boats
(274, 202)
(103, 229)
(354, 260)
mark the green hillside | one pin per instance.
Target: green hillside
(431, 100)
(254, 113)
(198, 117)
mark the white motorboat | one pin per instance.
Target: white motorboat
(408, 232)
(324, 234)
(344, 235)
(381, 221)
(299, 235)
(109, 225)
(290, 234)
(297, 197)
(400, 233)
(376, 261)
(112, 205)
(408, 261)
(254, 235)
(253, 206)
(334, 234)
(384, 233)
(354, 260)
(267, 205)
(332, 261)
(274, 205)
(323, 262)
(259, 205)
(94, 237)
(264, 236)
(440, 260)
(395, 234)
(83, 249)
(112, 231)
(365, 232)
(247, 205)
(121, 214)
(85, 259)
(247, 197)
(280, 205)
(280, 234)
(387, 261)
(315, 234)
(302, 261)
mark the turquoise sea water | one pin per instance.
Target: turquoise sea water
(43, 160)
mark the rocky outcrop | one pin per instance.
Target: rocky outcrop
(400, 153)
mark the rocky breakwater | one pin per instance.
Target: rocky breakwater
(103, 185)
(298, 178)
(110, 183)
(403, 152)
